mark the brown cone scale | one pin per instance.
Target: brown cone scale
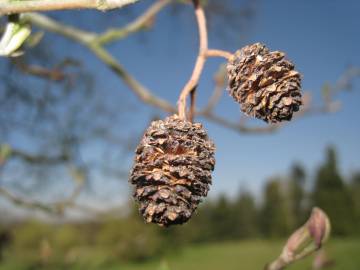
(264, 83)
(172, 170)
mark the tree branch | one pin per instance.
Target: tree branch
(141, 91)
(57, 207)
(200, 61)
(219, 53)
(134, 26)
(54, 74)
(220, 79)
(11, 7)
(38, 159)
(22, 202)
(89, 40)
(75, 34)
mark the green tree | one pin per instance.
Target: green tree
(297, 193)
(222, 219)
(355, 192)
(276, 217)
(245, 215)
(331, 194)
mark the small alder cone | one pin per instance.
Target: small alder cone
(264, 83)
(172, 170)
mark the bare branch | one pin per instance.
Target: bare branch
(58, 208)
(87, 39)
(135, 26)
(219, 53)
(54, 74)
(220, 81)
(200, 61)
(238, 126)
(11, 7)
(70, 32)
(38, 159)
(141, 91)
(23, 202)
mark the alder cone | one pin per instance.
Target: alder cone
(264, 83)
(172, 170)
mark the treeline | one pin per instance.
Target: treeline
(285, 204)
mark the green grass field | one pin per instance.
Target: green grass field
(247, 255)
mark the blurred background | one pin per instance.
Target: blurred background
(70, 120)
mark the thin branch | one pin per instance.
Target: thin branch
(141, 91)
(238, 126)
(38, 159)
(11, 7)
(135, 26)
(23, 202)
(53, 74)
(200, 61)
(192, 110)
(75, 34)
(219, 53)
(57, 207)
(203, 54)
(87, 38)
(214, 99)
(220, 79)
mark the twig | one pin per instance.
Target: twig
(53, 74)
(38, 159)
(11, 7)
(238, 126)
(87, 39)
(220, 82)
(135, 26)
(200, 61)
(203, 54)
(22, 202)
(192, 105)
(51, 208)
(219, 53)
(141, 91)
(75, 34)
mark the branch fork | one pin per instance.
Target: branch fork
(204, 53)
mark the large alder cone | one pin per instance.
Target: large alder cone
(264, 83)
(172, 170)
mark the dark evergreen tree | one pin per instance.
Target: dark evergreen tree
(276, 217)
(222, 219)
(331, 194)
(297, 193)
(245, 216)
(355, 192)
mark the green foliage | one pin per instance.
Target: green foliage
(332, 195)
(131, 239)
(246, 216)
(355, 192)
(29, 235)
(297, 194)
(276, 217)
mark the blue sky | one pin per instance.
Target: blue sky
(321, 37)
